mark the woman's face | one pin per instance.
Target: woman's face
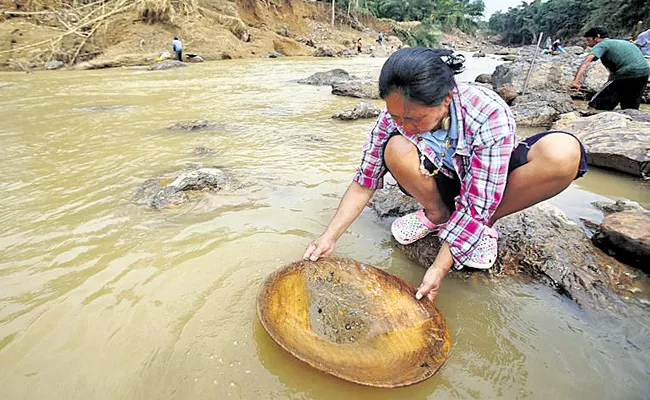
(415, 118)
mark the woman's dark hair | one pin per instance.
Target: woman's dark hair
(420, 74)
(597, 31)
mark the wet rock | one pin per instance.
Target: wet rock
(541, 108)
(328, 51)
(361, 111)
(609, 207)
(484, 78)
(364, 89)
(203, 179)
(203, 151)
(191, 126)
(636, 115)
(102, 108)
(194, 58)
(626, 236)
(54, 64)
(326, 78)
(275, 54)
(575, 50)
(144, 192)
(507, 92)
(510, 58)
(167, 64)
(540, 242)
(378, 51)
(612, 140)
(480, 54)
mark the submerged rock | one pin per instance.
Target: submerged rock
(54, 64)
(174, 194)
(540, 242)
(364, 89)
(167, 64)
(326, 78)
(360, 111)
(612, 140)
(191, 126)
(626, 236)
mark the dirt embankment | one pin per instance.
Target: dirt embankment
(108, 33)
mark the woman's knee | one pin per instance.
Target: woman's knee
(397, 151)
(558, 153)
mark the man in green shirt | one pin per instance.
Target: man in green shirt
(628, 71)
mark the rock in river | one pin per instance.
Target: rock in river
(540, 242)
(174, 194)
(612, 140)
(360, 111)
(364, 89)
(167, 64)
(626, 236)
(326, 78)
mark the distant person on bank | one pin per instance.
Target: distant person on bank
(628, 71)
(359, 45)
(643, 42)
(177, 46)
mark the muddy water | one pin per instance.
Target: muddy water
(104, 298)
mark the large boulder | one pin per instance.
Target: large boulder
(54, 64)
(541, 108)
(329, 51)
(626, 236)
(326, 78)
(612, 140)
(540, 242)
(362, 110)
(551, 73)
(363, 89)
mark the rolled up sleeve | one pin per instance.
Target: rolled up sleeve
(371, 169)
(482, 187)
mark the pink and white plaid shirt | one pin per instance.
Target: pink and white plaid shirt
(486, 138)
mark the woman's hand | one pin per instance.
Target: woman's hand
(321, 247)
(432, 280)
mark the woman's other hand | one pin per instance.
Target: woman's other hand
(432, 280)
(321, 247)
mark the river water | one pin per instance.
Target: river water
(103, 298)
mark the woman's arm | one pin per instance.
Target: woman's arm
(351, 205)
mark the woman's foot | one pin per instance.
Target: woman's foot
(485, 254)
(413, 227)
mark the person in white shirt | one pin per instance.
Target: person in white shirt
(177, 46)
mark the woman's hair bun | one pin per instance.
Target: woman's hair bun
(455, 61)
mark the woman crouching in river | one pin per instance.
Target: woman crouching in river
(454, 148)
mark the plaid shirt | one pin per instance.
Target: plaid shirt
(486, 138)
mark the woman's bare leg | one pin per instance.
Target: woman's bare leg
(402, 160)
(553, 163)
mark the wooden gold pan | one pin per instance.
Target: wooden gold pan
(354, 321)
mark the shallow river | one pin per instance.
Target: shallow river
(103, 298)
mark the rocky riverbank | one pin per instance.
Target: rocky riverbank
(543, 243)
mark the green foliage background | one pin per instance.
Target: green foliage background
(434, 15)
(567, 19)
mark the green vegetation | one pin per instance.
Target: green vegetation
(568, 19)
(434, 15)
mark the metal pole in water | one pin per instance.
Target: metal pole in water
(532, 63)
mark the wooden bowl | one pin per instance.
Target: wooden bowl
(354, 321)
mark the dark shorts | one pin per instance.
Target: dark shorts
(628, 92)
(449, 188)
